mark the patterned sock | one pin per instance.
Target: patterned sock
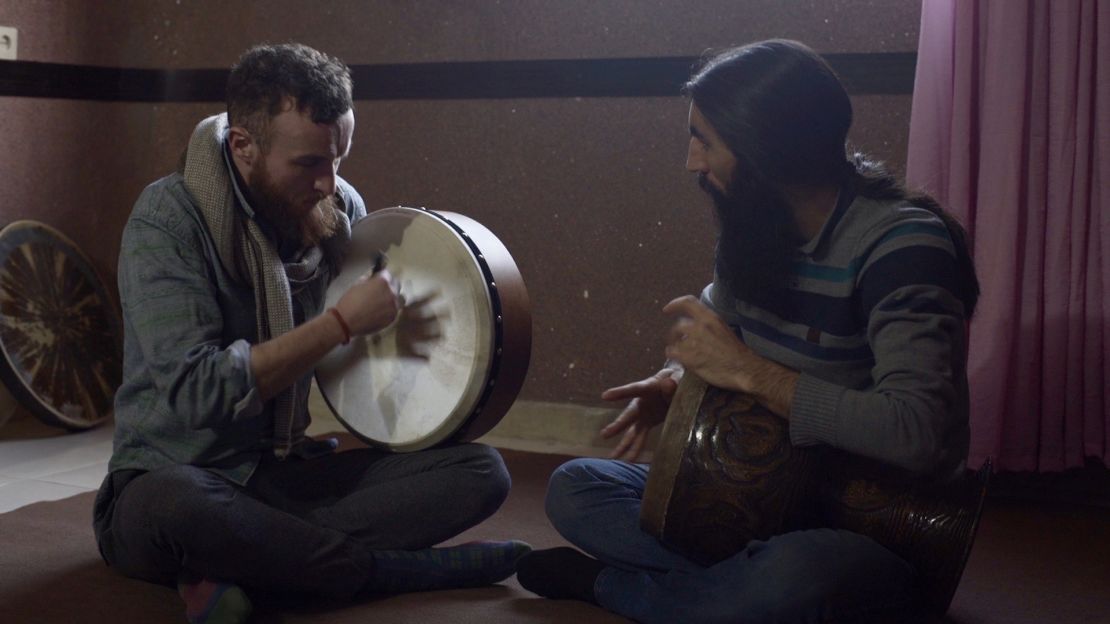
(208, 602)
(560, 573)
(467, 565)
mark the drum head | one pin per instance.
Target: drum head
(395, 389)
(60, 333)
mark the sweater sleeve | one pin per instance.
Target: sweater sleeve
(915, 329)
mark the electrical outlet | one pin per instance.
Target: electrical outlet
(9, 40)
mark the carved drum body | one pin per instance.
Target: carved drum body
(725, 474)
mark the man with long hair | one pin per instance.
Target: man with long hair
(839, 303)
(213, 485)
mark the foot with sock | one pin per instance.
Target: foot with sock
(210, 602)
(560, 573)
(467, 565)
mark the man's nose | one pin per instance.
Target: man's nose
(325, 183)
(695, 158)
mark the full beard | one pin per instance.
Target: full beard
(756, 245)
(293, 225)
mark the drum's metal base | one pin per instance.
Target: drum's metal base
(931, 525)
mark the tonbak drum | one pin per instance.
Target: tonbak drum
(452, 364)
(725, 473)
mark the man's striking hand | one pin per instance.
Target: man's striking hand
(707, 346)
(371, 303)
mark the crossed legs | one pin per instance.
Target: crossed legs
(308, 526)
(805, 576)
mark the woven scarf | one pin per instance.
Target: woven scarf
(251, 259)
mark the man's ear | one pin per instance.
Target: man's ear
(244, 149)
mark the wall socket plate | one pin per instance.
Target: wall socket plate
(9, 43)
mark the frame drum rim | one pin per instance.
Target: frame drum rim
(512, 348)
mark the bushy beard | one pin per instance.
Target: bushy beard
(756, 244)
(308, 229)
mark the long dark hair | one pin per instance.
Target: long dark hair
(783, 113)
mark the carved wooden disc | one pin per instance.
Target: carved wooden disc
(60, 333)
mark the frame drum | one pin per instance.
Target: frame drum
(401, 389)
(61, 337)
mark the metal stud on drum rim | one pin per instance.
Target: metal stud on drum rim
(61, 338)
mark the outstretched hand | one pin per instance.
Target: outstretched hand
(650, 400)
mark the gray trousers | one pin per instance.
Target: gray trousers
(308, 526)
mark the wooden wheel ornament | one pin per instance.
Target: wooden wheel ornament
(61, 340)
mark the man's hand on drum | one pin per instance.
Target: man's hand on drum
(706, 345)
(371, 303)
(651, 398)
(419, 326)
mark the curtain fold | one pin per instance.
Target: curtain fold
(1010, 130)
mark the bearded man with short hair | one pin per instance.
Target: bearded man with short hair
(213, 485)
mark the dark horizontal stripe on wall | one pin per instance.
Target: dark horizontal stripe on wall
(82, 82)
(875, 73)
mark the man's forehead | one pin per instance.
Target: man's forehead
(295, 130)
(698, 123)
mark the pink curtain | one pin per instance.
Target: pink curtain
(1010, 129)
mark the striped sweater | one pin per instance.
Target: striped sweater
(873, 323)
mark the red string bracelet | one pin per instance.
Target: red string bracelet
(342, 324)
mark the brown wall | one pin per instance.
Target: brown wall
(589, 194)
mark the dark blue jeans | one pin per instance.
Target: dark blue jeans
(302, 525)
(817, 575)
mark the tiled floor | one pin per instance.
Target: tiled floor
(39, 462)
(42, 463)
